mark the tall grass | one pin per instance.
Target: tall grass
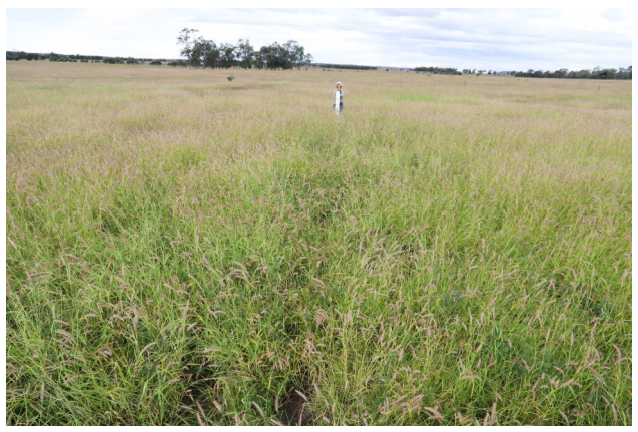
(184, 251)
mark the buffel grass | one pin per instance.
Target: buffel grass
(186, 250)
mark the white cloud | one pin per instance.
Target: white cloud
(476, 38)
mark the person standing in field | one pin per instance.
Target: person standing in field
(337, 98)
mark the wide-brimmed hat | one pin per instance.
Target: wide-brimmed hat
(339, 83)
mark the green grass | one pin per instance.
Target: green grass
(178, 253)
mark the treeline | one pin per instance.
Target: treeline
(73, 58)
(198, 52)
(438, 70)
(347, 66)
(596, 73)
(19, 55)
(205, 53)
(121, 60)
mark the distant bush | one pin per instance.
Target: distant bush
(230, 77)
(336, 66)
(63, 59)
(156, 63)
(113, 60)
(438, 70)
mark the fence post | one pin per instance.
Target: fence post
(134, 77)
(599, 87)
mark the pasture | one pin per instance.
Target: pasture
(185, 250)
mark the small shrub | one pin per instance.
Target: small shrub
(230, 77)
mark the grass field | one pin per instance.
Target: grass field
(186, 250)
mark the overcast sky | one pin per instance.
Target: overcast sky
(498, 39)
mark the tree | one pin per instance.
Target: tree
(266, 56)
(273, 56)
(197, 52)
(607, 74)
(186, 39)
(210, 54)
(227, 55)
(259, 61)
(298, 55)
(292, 54)
(288, 54)
(245, 53)
(307, 60)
